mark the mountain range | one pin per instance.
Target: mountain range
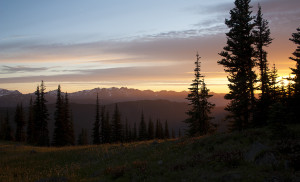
(106, 95)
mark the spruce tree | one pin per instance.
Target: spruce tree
(150, 129)
(30, 123)
(68, 117)
(37, 110)
(41, 117)
(200, 107)
(116, 126)
(20, 123)
(239, 63)
(262, 39)
(294, 103)
(167, 133)
(274, 89)
(96, 127)
(60, 124)
(142, 128)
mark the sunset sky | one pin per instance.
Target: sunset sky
(135, 43)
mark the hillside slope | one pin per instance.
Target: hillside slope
(252, 155)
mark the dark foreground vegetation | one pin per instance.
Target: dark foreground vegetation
(252, 155)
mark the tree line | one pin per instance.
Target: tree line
(37, 132)
(105, 129)
(277, 103)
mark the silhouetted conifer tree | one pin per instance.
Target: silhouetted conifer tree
(96, 127)
(150, 129)
(30, 123)
(262, 39)
(68, 117)
(60, 124)
(20, 123)
(116, 126)
(142, 128)
(159, 131)
(294, 103)
(199, 120)
(41, 117)
(274, 89)
(239, 63)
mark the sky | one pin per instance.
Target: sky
(135, 43)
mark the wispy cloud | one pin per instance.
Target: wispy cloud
(22, 69)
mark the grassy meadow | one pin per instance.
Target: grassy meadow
(220, 157)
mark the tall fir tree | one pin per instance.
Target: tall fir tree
(150, 129)
(60, 124)
(36, 121)
(116, 126)
(262, 39)
(30, 123)
(239, 63)
(142, 128)
(167, 133)
(96, 127)
(294, 103)
(274, 89)
(68, 117)
(200, 107)
(20, 123)
(41, 117)
(206, 125)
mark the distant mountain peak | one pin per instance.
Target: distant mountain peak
(4, 92)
